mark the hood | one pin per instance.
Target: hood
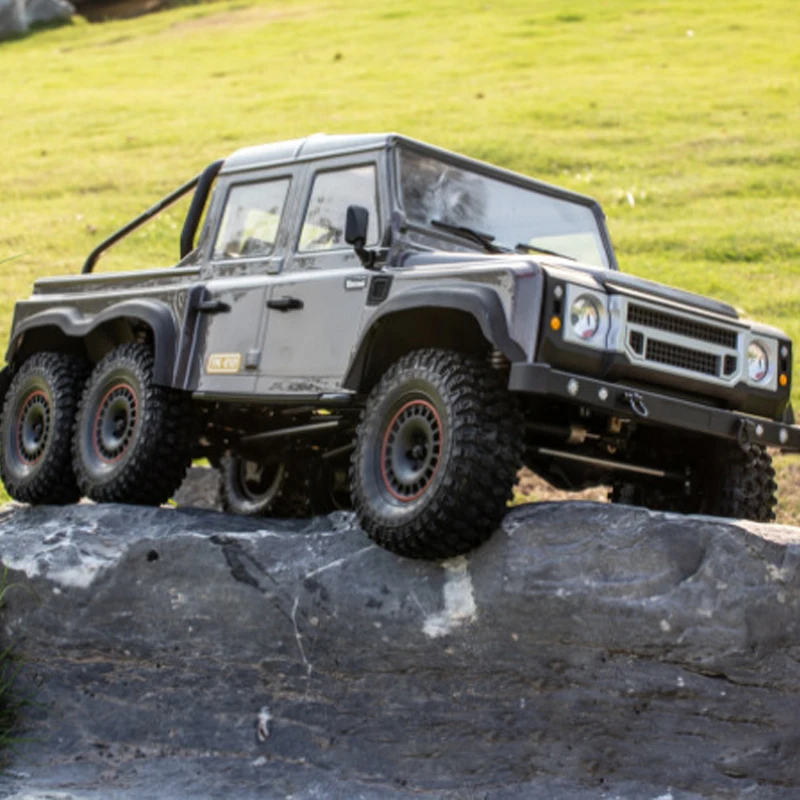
(615, 282)
(612, 281)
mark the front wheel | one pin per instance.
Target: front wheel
(722, 480)
(437, 451)
(742, 483)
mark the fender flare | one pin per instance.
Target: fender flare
(480, 302)
(73, 324)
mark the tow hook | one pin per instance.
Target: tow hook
(636, 402)
(743, 435)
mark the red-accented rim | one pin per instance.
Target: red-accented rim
(28, 454)
(417, 419)
(120, 397)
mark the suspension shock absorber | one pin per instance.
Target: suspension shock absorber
(498, 360)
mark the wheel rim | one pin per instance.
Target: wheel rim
(34, 424)
(412, 449)
(115, 423)
(260, 482)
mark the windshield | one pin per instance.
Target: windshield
(517, 217)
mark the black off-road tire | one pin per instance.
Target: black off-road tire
(724, 481)
(248, 488)
(330, 487)
(437, 451)
(132, 438)
(742, 484)
(36, 429)
(276, 488)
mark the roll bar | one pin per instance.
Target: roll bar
(203, 182)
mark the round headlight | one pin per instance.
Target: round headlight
(584, 317)
(757, 362)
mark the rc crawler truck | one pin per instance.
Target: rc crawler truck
(370, 322)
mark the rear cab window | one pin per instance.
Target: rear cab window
(251, 220)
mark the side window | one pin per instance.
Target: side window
(331, 194)
(251, 219)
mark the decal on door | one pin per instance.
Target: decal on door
(223, 363)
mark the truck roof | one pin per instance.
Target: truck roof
(314, 146)
(321, 145)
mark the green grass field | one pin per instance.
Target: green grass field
(680, 118)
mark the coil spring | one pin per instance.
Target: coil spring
(498, 360)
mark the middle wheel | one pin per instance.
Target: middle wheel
(132, 438)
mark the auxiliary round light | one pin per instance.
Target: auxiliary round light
(584, 317)
(757, 362)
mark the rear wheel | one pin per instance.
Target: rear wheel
(437, 450)
(132, 438)
(36, 429)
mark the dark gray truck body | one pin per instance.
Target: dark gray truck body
(300, 327)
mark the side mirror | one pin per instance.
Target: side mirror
(356, 226)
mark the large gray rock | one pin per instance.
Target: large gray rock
(16, 16)
(12, 18)
(586, 651)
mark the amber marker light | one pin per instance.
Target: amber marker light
(783, 380)
(555, 323)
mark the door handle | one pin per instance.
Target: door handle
(285, 303)
(213, 307)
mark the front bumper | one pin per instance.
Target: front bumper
(648, 407)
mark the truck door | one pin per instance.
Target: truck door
(316, 303)
(242, 265)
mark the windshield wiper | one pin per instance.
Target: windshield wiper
(485, 240)
(530, 248)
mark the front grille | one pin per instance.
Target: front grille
(660, 320)
(682, 357)
(668, 340)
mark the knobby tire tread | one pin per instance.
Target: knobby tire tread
(747, 487)
(486, 435)
(55, 481)
(733, 483)
(159, 459)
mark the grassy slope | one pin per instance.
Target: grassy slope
(681, 120)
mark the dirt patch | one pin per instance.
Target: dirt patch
(242, 17)
(531, 488)
(102, 10)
